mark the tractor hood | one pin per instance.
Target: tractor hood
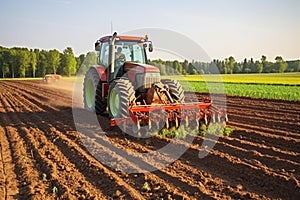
(140, 68)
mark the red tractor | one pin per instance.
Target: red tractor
(133, 92)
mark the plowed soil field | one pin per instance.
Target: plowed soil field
(42, 155)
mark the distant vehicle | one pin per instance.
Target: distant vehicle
(51, 78)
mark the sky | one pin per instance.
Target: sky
(222, 28)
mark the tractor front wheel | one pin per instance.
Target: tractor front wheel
(92, 92)
(120, 95)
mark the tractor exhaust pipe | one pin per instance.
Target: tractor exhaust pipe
(112, 57)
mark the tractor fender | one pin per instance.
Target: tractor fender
(102, 72)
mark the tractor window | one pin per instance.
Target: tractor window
(138, 53)
(104, 54)
(133, 51)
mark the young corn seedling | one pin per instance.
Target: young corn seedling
(146, 187)
(54, 190)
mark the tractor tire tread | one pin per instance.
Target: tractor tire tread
(175, 88)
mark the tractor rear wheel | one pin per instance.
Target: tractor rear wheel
(175, 89)
(120, 95)
(92, 92)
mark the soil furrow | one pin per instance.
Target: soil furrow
(60, 169)
(206, 183)
(48, 166)
(270, 165)
(41, 150)
(8, 185)
(235, 172)
(291, 131)
(272, 159)
(272, 106)
(110, 181)
(136, 164)
(275, 112)
(46, 90)
(32, 96)
(64, 189)
(236, 139)
(80, 165)
(258, 135)
(287, 118)
(30, 184)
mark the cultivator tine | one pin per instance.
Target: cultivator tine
(205, 119)
(176, 122)
(186, 121)
(157, 125)
(197, 124)
(138, 128)
(167, 123)
(213, 118)
(149, 124)
(216, 118)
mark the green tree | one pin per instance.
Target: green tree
(280, 64)
(169, 69)
(23, 60)
(251, 65)
(229, 65)
(33, 62)
(258, 67)
(10, 57)
(191, 69)
(68, 62)
(4, 62)
(84, 62)
(42, 62)
(177, 67)
(185, 66)
(80, 67)
(53, 60)
(213, 67)
(297, 66)
(245, 68)
(222, 67)
(266, 66)
(237, 68)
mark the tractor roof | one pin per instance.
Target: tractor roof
(122, 37)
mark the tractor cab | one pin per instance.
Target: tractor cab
(116, 51)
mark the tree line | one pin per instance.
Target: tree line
(18, 62)
(227, 66)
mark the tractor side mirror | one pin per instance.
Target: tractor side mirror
(97, 45)
(150, 48)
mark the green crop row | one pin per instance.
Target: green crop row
(284, 92)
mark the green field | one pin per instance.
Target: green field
(274, 78)
(271, 86)
(284, 86)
